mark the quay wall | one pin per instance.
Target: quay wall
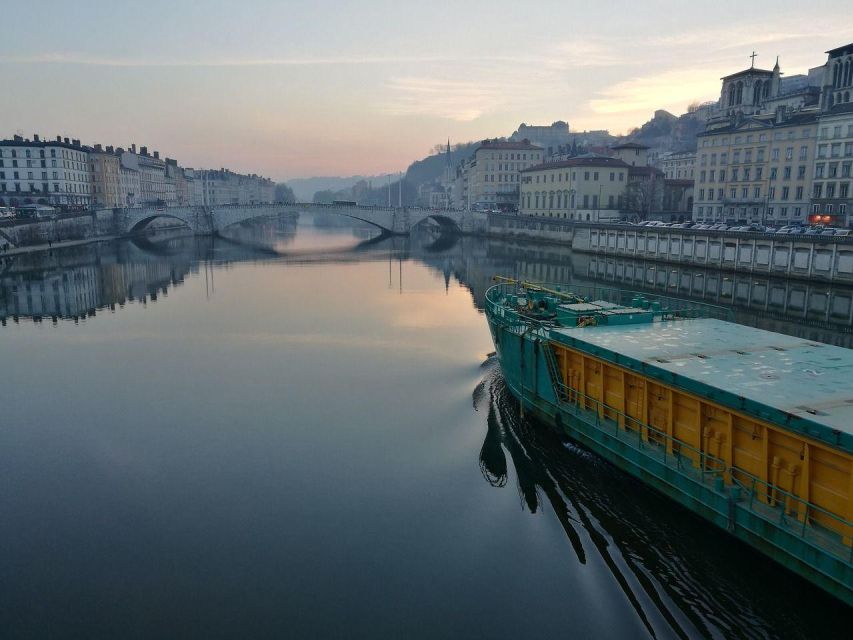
(816, 258)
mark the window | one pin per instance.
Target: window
(612, 176)
(758, 172)
(760, 155)
(804, 153)
(773, 171)
(747, 155)
(771, 192)
(787, 173)
(818, 170)
(722, 175)
(799, 193)
(818, 190)
(734, 174)
(801, 173)
(785, 193)
(746, 171)
(775, 154)
(756, 192)
(744, 192)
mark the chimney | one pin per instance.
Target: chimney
(76, 143)
(65, 140)
(157, 155)
(98, 148)
(17, 138)
(110, 150)
(143, 151)
(36, 137)
(133, 148)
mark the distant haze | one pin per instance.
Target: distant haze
(339, 88)
(305, 188)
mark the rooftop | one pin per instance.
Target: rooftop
(787, 380)
(751, 70)
(847, 48)
(630, 145)
(596, 161)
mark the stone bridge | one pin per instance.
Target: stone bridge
(208, 220)
(202, 220)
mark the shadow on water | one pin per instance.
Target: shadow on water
(682, 577)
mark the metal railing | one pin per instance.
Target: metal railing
(668, 308)
(762, 498)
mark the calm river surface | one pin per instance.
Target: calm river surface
(299, 433)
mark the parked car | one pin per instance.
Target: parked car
(842, 232)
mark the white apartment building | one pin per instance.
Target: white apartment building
(155, 189)
(491, 178)
(678, 165)
(130, 183)
(44, 172)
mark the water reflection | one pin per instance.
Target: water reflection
(78, 282)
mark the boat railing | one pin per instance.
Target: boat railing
(799, 515)
(668, 307)
(815, 525)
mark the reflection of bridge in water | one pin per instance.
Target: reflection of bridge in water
(76, 283)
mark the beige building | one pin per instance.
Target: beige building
(105, 165)
(756, 169)
(632, 153)
(584, 188)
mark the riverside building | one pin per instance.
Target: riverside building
(832, 191)
(491, 178)
(584, 188)
(37, 171)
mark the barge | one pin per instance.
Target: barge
(749, 429)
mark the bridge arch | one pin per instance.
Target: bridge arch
(442, 220)
(139, 225)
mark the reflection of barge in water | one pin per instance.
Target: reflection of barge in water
(748, 428)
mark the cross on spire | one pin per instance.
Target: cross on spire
(753, 56)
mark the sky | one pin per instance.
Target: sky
(296, 89)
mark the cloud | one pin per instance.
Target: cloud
(458, 100)
(670, 88)
(84, 59)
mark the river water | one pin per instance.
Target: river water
(299, 432)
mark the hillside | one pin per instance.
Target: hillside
(669, 132)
